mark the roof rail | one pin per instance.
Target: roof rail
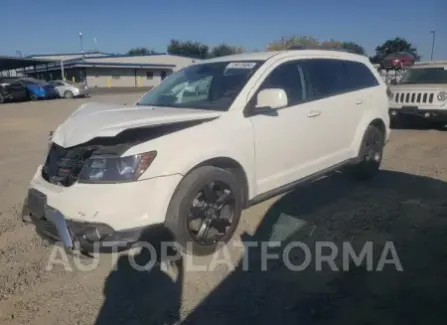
(318, 47)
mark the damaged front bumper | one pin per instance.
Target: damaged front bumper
(104, 214)
(51, 224)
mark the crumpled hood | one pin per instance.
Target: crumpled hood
(94, 120)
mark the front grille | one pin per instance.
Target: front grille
(414, 97)
(63, 166)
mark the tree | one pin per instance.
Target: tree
(224, 49)
(286, 43)
(140, 51)
(397, 44)
(353, 47)
(188, 48)
(332, 45)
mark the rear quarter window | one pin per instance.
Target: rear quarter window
(359, 76)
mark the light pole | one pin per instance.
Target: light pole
(433, 32)
(82, 45)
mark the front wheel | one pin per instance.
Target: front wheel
(370, 154)
(68, 94)
(205, 210)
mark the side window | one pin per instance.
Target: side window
(290, 78)
(326, 77)
(359, 76)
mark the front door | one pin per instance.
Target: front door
(285, 139)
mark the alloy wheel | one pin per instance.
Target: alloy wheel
(211, 213)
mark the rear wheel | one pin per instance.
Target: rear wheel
(2, 100)
(32, 96)
(205, 210)
(68, 94)
(370, 155)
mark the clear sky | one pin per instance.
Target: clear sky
(53, 26)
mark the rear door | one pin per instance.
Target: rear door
(341, 92)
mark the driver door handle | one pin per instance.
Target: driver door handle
(313, 113)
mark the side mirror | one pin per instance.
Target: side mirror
(393, 81)
(272, 98)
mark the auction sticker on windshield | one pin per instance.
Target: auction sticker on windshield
(241, 65)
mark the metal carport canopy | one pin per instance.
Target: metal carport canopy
(13, 62)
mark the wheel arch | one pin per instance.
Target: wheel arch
(377, 122)
(232, 166)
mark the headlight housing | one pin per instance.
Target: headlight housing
(115, 169)
(389, 93)
(442, 96)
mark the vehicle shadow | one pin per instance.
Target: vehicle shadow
(395, 213)
(139, 291)
(418, 124)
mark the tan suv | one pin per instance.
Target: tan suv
(420, 93)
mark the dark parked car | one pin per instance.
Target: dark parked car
(11, 89)
(39, 89)
(398, 61)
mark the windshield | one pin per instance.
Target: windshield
(211, 86)
(425, 76)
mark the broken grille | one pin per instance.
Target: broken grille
(63, 166)
(414, 98)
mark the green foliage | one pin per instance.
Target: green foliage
(332, 45)
(140, 51)
(353, 47)
(310, 42)
(397, 44)
(225, 49)
(286, 43)
(188, 48)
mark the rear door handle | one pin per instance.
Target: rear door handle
(313, 113)
(359, 102)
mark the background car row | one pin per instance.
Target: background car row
(21, 89)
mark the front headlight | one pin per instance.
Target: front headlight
(115, 169)
(442, 96)
(389, 93)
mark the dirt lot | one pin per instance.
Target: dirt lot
(405, 204)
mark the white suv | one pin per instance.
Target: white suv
(191, 161)
(420, 93)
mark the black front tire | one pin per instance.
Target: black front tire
(370, 154)
(178, 211)
(2, 100)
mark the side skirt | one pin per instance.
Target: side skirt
(306, 180)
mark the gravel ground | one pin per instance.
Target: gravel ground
(406, 205)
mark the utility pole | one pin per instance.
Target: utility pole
(433, 32)
(82, 45)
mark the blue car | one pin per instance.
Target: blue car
(39, 89)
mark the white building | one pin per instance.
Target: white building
(107, 70)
